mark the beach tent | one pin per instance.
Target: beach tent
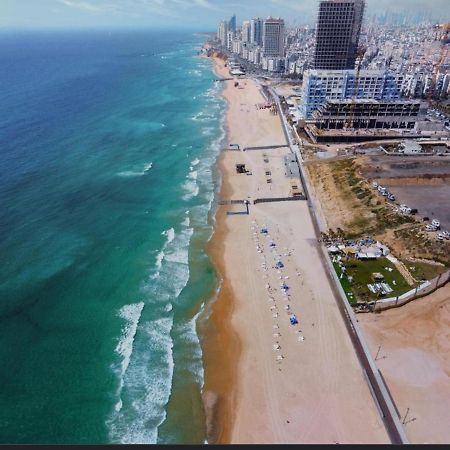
(264, 231)
(293, 319)
(273, 244)
(284, 286)
(279, 265)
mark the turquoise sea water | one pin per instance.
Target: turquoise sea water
(108, 144)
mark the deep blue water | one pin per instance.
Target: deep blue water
(108, 141)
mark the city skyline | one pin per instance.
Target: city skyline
(200, 15)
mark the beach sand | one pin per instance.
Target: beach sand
(267, 381)
(415, 362)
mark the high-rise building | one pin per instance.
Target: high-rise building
(232, 24)
(246, 31)
(337, 36)
(273, 37)
(256, 31)
(222, 33)
(230, 37)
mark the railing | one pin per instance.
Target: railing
(420, 291)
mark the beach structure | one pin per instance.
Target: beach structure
(338, 31)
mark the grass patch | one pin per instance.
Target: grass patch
(346, 286)
(361, 272)
(424, 271)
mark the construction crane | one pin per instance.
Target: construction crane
(351, 114)
(445, 40)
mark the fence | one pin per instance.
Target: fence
(420, 291)
(279, 199)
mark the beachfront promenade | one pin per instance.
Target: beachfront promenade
(378, 388)
(299, 379)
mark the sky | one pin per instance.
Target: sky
(201, 15)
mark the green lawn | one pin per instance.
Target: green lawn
(362, 271)
(345, 285)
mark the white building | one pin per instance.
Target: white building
(256, 31)
(322, 85)
(246, 31)
(222, 33)
(230, 37)
(273, 37)
(274, 64)
(236, 46)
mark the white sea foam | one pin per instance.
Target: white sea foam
(136, 173)
(148, 378)
(149, 375)
(170, 234)
(158, 263)
(149, 381)
(187, 332)
(148, 166)
(208, 131)
(202, 117)
(193, 175)
(131, 314)
(186, 222)
(191, 189)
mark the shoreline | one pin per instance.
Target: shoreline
(220, 367)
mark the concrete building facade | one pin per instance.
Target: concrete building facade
(273, 37)
(256, 31)
(322, 85)
(338, 31)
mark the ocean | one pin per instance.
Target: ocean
(108, 147)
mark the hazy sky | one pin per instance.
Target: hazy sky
(197, 14)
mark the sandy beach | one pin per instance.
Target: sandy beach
(266, 380)
(415, 361)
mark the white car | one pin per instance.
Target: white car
(436, 223)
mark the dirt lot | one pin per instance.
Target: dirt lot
(349, 203)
